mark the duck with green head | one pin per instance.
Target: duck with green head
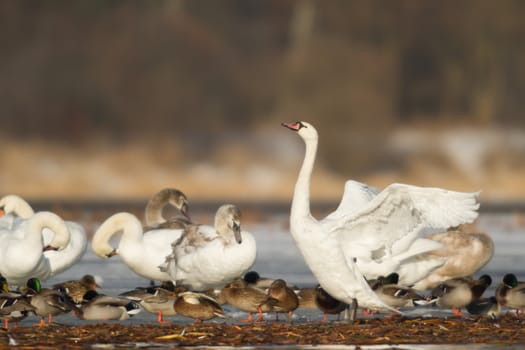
(47, 302)
(511, 293)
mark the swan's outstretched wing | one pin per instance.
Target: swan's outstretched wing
(390, 222)
(355, 196)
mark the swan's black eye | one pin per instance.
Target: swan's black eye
(301, 125)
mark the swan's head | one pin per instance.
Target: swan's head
(304, 129)
(228, 221)
(13, 204)
(173, 196)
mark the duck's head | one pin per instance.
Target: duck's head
(4, 287)
(510, 280)
(34, 285)
(304, 129)
(252, 276)
(486, 280)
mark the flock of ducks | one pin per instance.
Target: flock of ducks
(367, 253)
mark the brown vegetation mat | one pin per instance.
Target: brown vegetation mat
(507, 330)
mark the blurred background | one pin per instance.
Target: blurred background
(118, 99)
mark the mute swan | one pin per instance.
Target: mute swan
(459, 292)
(466, 250)
(155, 206)
(11, 208)
(207, 257)
(58, 261)
(142, 253)
(384, 227)
(412, 264)
(22, 252)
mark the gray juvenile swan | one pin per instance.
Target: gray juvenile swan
(156, 205)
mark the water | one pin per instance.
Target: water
(278, 257)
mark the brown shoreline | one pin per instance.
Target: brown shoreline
(397, 330)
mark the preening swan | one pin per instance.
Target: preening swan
(157, 203)
(141, 252)
(384, 227)
(21, 253)
(13, 207)
(58, 260)
(210, 257)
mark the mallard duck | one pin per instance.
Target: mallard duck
(395, 295)
(13, 306)
(466, 249)
(201, 249)
(156, 299)
(327, 304)
(511, 293)
(485, 307)
(459, 292)
(198, 306)
(287, 300)
(97, 306)
(47, 302)
(248, 299)
(255, 280)
(76, 289)
(306, 297)
(155, 206)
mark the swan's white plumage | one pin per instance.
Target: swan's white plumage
(373, 232)
(18, 210)
(142, 253)
(21, 252)
(210, 257)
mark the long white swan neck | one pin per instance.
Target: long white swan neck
(41, 220)
(14, 204)
(127, 223)
(301, 198)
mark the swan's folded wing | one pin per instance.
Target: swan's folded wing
(393, 218)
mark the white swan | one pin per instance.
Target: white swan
(13, 207)
(141, 252)
(58, 260)
(385, 226)
(21, 252)
(411, 264)
(208, 257)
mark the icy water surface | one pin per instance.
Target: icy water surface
(278, 257)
